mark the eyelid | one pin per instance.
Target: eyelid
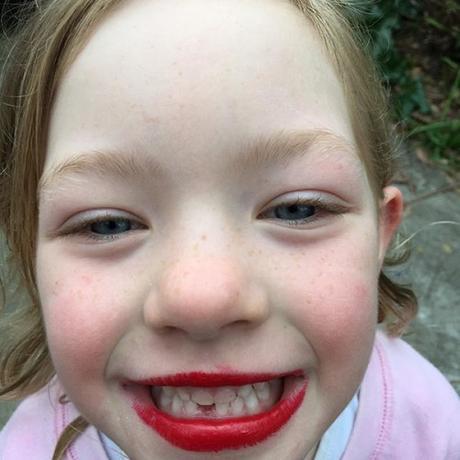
(307, 195)
(312, 198)
(76, 225)
(332, 206)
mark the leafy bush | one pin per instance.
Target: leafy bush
(434, 26)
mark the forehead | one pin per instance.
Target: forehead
(196, 75)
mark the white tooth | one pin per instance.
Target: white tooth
(170, 391)
(165, 400)
(224, 395)
(222, 409)
(177, 405)
(184, 394)
(237, 407)
(191, 408)
(262, 391)
(244, 390)
(252, 403)
(202, 397)
(260, 386)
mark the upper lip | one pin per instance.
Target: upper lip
(209, 379)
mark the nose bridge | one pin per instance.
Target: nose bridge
(204, 288)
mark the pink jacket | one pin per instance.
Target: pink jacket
(407, 411)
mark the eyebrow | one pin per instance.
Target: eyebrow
(279, 148)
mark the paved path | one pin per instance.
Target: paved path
(433, 269)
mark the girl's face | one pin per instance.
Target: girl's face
(205, 221)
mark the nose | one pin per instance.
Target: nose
(203, 297)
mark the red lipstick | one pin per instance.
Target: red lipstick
(214, 434)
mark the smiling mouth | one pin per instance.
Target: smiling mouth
(203, 412)
(217, 402)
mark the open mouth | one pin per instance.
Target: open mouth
(212, 412)
(217, 402)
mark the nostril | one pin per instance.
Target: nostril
(242, 323)
(169, 330)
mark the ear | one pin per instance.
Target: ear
(391, 213)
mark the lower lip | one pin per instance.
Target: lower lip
(211, 435)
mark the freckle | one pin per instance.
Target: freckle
(86, 279)
(204, 237)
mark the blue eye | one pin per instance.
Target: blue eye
(102, 228)
(302, 211)
(111, 226)
(294, 212)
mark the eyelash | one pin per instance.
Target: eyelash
(317, 203)
(84, 228)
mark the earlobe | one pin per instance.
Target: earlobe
(391, 213)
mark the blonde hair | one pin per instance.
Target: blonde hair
(43, 48)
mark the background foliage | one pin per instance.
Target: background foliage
(417, 45)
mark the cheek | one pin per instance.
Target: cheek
(330, 296)
(333, 313)
(83, 322)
